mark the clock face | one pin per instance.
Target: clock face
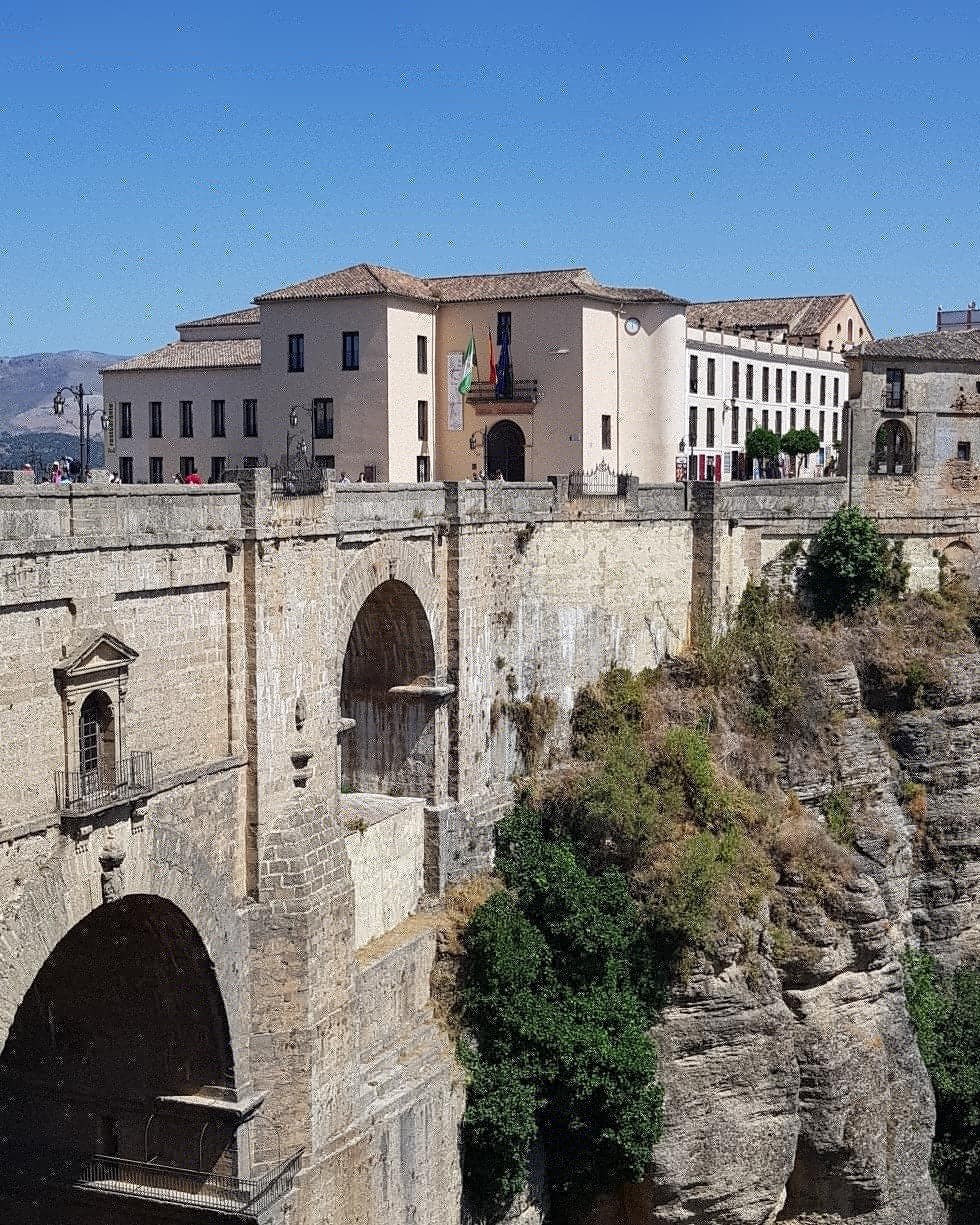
(632, 325)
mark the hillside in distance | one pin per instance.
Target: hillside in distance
(28, 383)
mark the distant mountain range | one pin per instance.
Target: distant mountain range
(28, 384)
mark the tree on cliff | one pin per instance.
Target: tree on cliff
(795, 443)
(850, 564)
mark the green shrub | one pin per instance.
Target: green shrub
(850, 564)
(838, 811)
(761, 444)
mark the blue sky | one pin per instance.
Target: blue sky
(173, 163)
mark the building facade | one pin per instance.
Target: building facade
(358, 372)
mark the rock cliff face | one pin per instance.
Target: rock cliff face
(794, 1087)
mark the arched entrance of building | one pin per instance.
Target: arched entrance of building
(385, 689)
(893, 449)
(120, 1049)
(505, 451)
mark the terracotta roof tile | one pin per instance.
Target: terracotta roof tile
(357, 281)
(558, 282)
(926, 346)
(250, 314)
(194, 355)
(796, 316)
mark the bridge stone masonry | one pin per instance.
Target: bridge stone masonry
(249, 739)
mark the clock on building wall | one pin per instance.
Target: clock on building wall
(632, 325)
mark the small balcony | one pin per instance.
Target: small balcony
(895, 400)
(243, 1199)
(520, 397)
(80, 794)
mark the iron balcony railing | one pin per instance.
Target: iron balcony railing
(895, 399)
(296, 482)
(600, 482)
(523, 391)
(85, 791)
(246, 1198)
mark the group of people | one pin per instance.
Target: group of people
(344, 479)
(192, 478)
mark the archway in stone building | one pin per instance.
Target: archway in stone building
(385, 689)
(505, 451)
(893, 449)
(120, 1049)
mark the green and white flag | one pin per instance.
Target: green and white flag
(469, 361)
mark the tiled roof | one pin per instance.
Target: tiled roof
(194, 355)
(357, 281)
(370, 279)
(797, 316)
(927, 346)
(558, 282)
(249, 315)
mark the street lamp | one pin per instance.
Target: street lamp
(85, 416)
(479, 439)
(291, 434)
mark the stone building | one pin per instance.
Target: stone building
(770, 362)
(913, 454)
(249, 737)
(357, 371)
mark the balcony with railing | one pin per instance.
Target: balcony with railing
(520, 395)
(80, 793)
(894, 399)
(244, 1199)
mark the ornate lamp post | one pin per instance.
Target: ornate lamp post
(478, 439)
(85, 416)
(291, 434)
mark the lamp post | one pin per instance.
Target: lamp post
(479, 439)
(85, 416)
(291, 434)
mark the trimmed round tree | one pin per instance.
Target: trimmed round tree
(795, 443)
(762, 445)
(848, 564)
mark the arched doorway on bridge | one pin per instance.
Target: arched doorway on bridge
(893, 449)
(505, 451)
(386, 690)
(119, 1049)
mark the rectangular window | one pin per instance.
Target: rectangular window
(187, 418)
(779, 424)
(187, 466)
(250, 418)
(822, 419)
(323, 418)
(779, 384)
(422, 469)
(792, 387)
(835, 426)
(503, 327)
(748, 419)
(734, 379)
(792, 417)
(693, 381)
(692, 426)
(352, 351)
(156, 470)
(217, 418)
(823, 389)
(370, 472)
(217, 467)
(709, 427)
(749, 381)
(710, 376)
(297, 357)
(963, 451)
(606, 432)
(894, 388)
(765, 384)
(125, 420)
(765, 418)
(807, 387)
(422, 345)
(156, 419)
(325, 462)
(250, 461)
(806, 417)
(423, 420)
(734, 423)
(836, 393)
(126, 469)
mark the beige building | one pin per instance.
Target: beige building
(367, 361)
(774, 363)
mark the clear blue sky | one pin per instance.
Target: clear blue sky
(161, 164)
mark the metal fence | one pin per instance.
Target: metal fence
(296, 482)
(83, 792)
(521, 391)
(600, 482)
(247, 1198)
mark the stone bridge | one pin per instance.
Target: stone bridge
(248, 741)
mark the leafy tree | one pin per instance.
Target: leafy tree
(795, 443)
(850, 564)
(762, 444)
(945, 1009)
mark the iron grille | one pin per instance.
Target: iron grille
(296, 482)
(600, 482)
(247, 1198)
(525, 391)
(85, 791)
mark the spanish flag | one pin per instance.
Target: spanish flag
(493, 364)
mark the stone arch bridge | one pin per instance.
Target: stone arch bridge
(247, 742)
